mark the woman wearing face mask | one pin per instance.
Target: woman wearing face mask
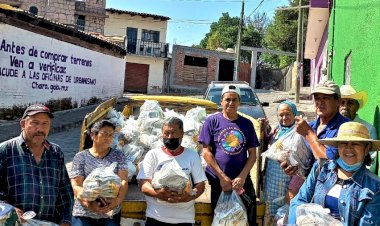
(166, 207)
(276, 182)
(345, 186)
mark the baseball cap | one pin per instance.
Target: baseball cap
(327, 87)
(37, 108)
(231, 88)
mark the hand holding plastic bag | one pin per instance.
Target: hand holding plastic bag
(230, 210)
(312, 214)
(171, 176)
(101, 182)
(291, 148)
(29, 215)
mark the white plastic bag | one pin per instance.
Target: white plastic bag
(171, 176)
(311, 214)
(29, 215)
(230, 211)
(193, 119)
(101, 182)
(291, 148)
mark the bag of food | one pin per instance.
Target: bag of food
(312, 214)
(29, 215)
(8, 215)
(171, 176)
(101, 182)
(230, 210)
(291, 148)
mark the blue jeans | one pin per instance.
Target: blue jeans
(87, 221)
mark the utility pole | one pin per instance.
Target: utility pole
(238, 45)
(299, 53)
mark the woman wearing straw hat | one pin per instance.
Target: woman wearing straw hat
(345, 186)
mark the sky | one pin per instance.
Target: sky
(190, 20)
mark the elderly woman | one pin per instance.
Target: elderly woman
(345, 185)
(88, 213)
(276, 182)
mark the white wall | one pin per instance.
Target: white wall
(26, 79)
(156, 72)
(116, 24)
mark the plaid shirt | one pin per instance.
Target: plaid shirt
(44, 188)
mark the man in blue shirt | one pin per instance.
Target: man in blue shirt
(327, 100)
(33, 174)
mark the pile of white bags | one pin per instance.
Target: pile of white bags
(137, 136)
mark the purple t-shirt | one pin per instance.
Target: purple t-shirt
(229, 141)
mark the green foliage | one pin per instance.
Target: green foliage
(282, 35)
(223, 34)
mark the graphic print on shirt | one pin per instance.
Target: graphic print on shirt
(232, 140)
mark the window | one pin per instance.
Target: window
(150, 36)
(196, 61)
(347, 69)
(80, 22)
(33, 10)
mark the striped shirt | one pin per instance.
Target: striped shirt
(44, 188)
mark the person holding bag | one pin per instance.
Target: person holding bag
(276, 182)
(97, 212)
(345, 186)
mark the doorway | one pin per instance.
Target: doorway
(226, 70)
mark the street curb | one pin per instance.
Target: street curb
(63, 121)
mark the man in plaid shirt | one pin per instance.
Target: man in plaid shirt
(33, 175)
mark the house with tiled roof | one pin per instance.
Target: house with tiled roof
(144, 37)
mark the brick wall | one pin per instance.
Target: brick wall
(61, 11)
(96, 22)
(177, 83)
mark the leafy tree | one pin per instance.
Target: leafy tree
(282, 35)
(260, 21)
(223, 34)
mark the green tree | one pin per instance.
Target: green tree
(282, 35)
(223, 34)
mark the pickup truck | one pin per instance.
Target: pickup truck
(134, 203)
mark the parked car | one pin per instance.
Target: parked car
(249, 102)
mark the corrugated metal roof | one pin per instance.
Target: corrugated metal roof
(154, 16)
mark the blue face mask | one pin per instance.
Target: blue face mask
(349, 168)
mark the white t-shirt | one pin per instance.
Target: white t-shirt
(163, 211)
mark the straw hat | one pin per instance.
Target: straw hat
(348, 92)
(352, 131)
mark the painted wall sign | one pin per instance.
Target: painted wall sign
(35, 68)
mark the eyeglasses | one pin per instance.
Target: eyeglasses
(105, 134)
(234, 100)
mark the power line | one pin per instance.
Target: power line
(256, 8)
